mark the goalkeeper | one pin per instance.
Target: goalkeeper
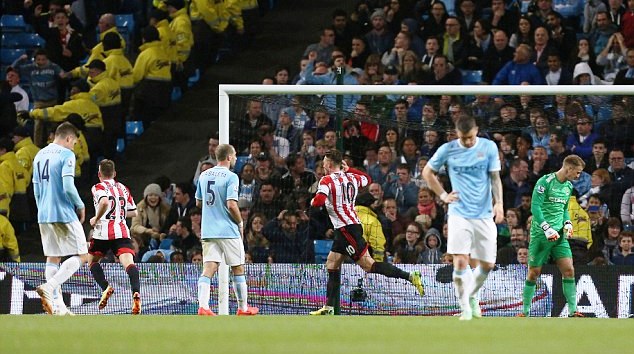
(550, 230)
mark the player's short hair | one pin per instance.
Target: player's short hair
(106, 167)
(465, 123)
(66, 129)
(224, 150)
(574, 160)
(335, 156)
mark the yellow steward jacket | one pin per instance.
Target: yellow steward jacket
(12, 180)
(581, 226)
(372, 231)
(81, 103)
(168, 38)
(97, 51)
(234, 13)
(248, 4)
(8, 241)
(81, 153)
(212, 12)
(25, 152)
(104, 91)
(152, 63)
(119, 68)
(182, 28)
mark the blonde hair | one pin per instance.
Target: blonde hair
(575, 161)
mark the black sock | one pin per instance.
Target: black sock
(333, 290)
(389, 270)
(133, 274)
(97, 273)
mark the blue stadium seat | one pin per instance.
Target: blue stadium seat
(133, 128)
(569, 8)
(12, 23)
(194, 78)
(450, 5)
(604, 113)
(166, 244)
(8, 56)
(322, 248)
(120, 145)
(176, 93)
(471, 77)
(29, 40)
(9, 40)
(124, 23)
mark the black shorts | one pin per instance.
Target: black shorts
(349, 240)
(118, 246)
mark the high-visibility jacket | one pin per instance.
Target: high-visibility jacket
(168, 38)
(8, 241)
(81, 153)
(119, 68)
(97, 51)
(105, 91)
(234, 13)
(248, 4)
(372, 231)
(25, 152)
(152, 63)
(13, 180)
(581, 226)
(81, 103)
(181, 25)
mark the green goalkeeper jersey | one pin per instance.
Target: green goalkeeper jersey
(550, 203)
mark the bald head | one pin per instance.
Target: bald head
(106, 22)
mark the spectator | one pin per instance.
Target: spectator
(64, 44)
(613, 57)
(410, 26)
(182, 204)
(432, 253)
(519, 70)
(385, 167)
(516, 184)
(610, 239)
(120, 70)
(212, 143)
(24, 149)
(600, 36)
(508, 254)
(12, 78)
(556, 73)
(344, 31)
(513, 217)
(396, 55)
(376, 191)
(107, 24)
(558, 151)
(182, 27)
(503, 19)
(277, 147)
(617, 131)
(427, 212)
(379, 39)
(245, 129)
(288, 239)
(599, 185)
(409, 246)
(255, 241)
(580, 143)
(432, 48)
(402, 189)
(152, 213)
(183, 237)
(584, 54)
(627, 207)
(523, 34)
(434, 25)
(599, 158)
(285, 129)
(268, 201)
(322, 49)
(107, 95)
(627, 25)
(44, 77)
(372, 230)
(331, 78)
(590, 10)
(496, 56)
(444, 73)
(477, 45)
(298, 178)
(392, 222)
(616, 11)
(626, 76)
(622, 178)
(561, 37)
(431, 144)
(9, 251)
(624, 256)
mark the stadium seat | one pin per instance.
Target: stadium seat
(10, 55)
(471, 77)
(120, 145)
(176, 94)
(133, 128)
(322, 248)
(240, 162)
(604, 114)
(124, 23)
(192, 80)
(166, 244)
(450, 5)
(9, 40)
(29, 40)
(12, 23)
(569, 8)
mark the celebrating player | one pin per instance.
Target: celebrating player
(60, 215)
(473, 166)
(222, 230)
(338, 191)
(113, 204)
(550, 222)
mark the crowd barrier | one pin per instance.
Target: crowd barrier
(295, 289)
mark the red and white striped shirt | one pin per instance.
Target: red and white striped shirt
(112, 224)
(341, 190)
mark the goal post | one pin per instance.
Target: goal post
(226, 90)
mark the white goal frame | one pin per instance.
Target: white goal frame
(224, 90)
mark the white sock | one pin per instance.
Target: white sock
(204, 286)
(66, 270)
(463, 282)
(240, 289)
(49, 272)
(479, 277)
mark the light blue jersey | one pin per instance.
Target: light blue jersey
(216, 186)
(50, 166)
(468, 170)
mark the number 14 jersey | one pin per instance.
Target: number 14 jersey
(112, 224)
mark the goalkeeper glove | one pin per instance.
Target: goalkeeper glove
(568, 228)
(551, 234)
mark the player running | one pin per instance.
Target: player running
(60, 213)
(550, 222)
(222, 230)
(473, 166)
(338, 191)
(113, 204)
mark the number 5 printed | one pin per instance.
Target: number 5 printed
(211, 195)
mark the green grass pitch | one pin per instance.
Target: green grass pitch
(307, 335)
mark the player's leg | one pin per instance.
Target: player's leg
(96, 250)
(538, 253)
(233, 251)
(333, 286)
(484, 252)
(52, 267)
(562, 254)
(459, 244)
(126, 258)
(211, 260)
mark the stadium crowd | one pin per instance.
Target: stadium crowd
(282, 140)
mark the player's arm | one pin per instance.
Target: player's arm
(102, 208)
(567, 222)
(498, 202)
(429, 175)
(234, 211)
(71, 192)
(319, 200)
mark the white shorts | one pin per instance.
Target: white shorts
(229, 250)
(476, 237)
(63, 239)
